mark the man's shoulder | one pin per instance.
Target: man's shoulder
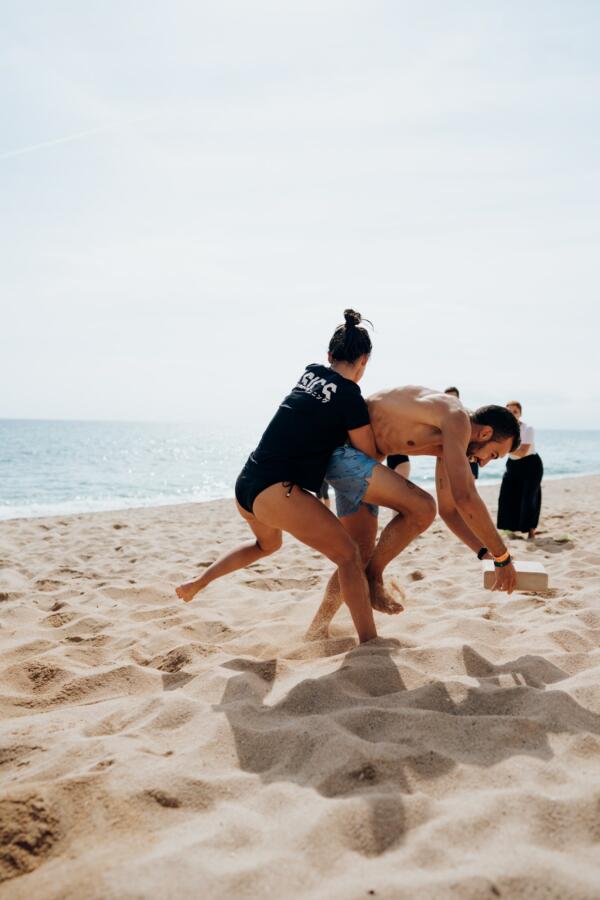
(403, 392)
(450, 413)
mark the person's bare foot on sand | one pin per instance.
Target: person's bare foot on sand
(382, 600)
(188, 591)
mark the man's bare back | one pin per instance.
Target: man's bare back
(409, 419)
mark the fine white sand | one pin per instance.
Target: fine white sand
(152, 749)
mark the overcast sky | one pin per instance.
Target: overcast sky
(192, 192)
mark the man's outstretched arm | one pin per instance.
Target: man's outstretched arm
(449, 513)
(475, 514)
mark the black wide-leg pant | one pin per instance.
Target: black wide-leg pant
(520, 499)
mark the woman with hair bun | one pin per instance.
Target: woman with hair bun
(323, 411)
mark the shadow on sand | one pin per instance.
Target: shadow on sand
(359, 732)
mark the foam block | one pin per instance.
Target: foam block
(531, 576)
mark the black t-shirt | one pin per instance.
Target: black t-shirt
(311, 422)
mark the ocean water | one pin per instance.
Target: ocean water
(55, 468)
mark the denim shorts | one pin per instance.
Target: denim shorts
(348, 472)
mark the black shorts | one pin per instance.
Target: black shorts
(396, 460)
(257, 477)
(253, 480)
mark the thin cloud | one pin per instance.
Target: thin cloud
(80, 135)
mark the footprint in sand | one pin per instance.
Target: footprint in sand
(28, 831)
(150, 615)
(34, 676)
(103, 764)
(18, 754)
(173, 661)
(48, 584)
(164, 799)
(285, 584)
(57, 620)
(191, 793)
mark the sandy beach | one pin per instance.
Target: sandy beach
(153, 749)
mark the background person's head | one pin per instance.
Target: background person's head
(350, 346)
(496, 433)
(515, 407)
(453, 390)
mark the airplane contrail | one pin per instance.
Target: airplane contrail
(70, 137)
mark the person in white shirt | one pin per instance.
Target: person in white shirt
(520, 498)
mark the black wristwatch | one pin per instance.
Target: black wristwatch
(481, 553)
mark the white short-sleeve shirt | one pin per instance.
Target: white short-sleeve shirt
(527, 437)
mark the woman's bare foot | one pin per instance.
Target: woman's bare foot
(531, 535)
(382, 600)
(188, 591)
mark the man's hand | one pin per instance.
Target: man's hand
(506, 578)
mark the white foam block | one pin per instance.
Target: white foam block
(531, 576)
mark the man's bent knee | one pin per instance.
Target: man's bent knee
(426, 512)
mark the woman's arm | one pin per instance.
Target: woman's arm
(364, 439)
(522, 451)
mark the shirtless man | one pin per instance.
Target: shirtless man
(418, 421)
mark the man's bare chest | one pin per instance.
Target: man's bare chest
(395, 434)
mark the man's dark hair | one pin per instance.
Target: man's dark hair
(452, 390)
(349, 341)
(502, 421)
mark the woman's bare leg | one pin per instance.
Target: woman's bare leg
(362, 528)
(268, 540)
(303, 516)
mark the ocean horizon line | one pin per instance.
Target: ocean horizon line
(208, 424)
(70, 507)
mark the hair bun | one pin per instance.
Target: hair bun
(352, 318)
